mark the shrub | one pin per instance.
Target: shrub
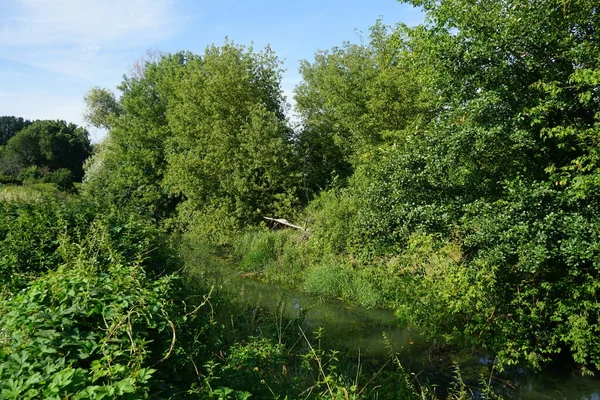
(521, 283)
(62, 178)
(8, 179)
(542, 247)
(87, 329)
(31, 235)
(33, 174)
(332, 222)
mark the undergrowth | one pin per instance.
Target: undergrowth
(98, 304)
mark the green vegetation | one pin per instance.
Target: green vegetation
(448, 172)
(10, 126)
(43, 151)
(200, 141)
(94, 305)
(500, 177)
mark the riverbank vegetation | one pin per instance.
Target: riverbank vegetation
(447, 171)
(97, 304)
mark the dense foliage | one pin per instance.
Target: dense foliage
(362, 96)
(505, 173)
(474, 132)
(95, 306)
(10, 126)
(50, 150)
(230, 156)
(449, 171)
(205, 133)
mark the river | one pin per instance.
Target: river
(375, 333)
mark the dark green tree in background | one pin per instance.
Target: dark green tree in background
(10, 126)
(49, 146)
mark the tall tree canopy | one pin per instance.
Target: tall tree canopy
(230, 153)
(128, 166)
(206, 132)
(364, 95)
(102, 107)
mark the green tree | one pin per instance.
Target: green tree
(207, 133)
(49, 145)
(508, 105)
(364, 95)
(509, 77)
(10, 126)
(128, 166)
(503, 177)
(508, 170)
(230, 155)
(102, 107)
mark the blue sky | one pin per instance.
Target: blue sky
(53, 51)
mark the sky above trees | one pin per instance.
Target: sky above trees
(52, 52)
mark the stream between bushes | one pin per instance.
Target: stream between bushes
(375, 333)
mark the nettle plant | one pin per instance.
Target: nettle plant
(97, 326)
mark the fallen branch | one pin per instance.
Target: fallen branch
(284, 222)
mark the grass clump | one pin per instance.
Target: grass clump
(337, 278)
(278, 256)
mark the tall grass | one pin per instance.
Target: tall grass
(276, 256)
(284, 257)
(27, 193)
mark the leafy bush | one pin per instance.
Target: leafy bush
(31, 234)
(89, 329)
(29, 237)
(258, 360)
(332, 222)
(62, 178)
(542, 246)
(384, 202)
(521, 283)
(9, 179)
(33, 174)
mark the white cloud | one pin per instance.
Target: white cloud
(53, 51)
(88, 40)
(42, 106)
(87, 22)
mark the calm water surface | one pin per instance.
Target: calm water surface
(375, 333)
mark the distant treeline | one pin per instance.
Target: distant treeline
(50, 151)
